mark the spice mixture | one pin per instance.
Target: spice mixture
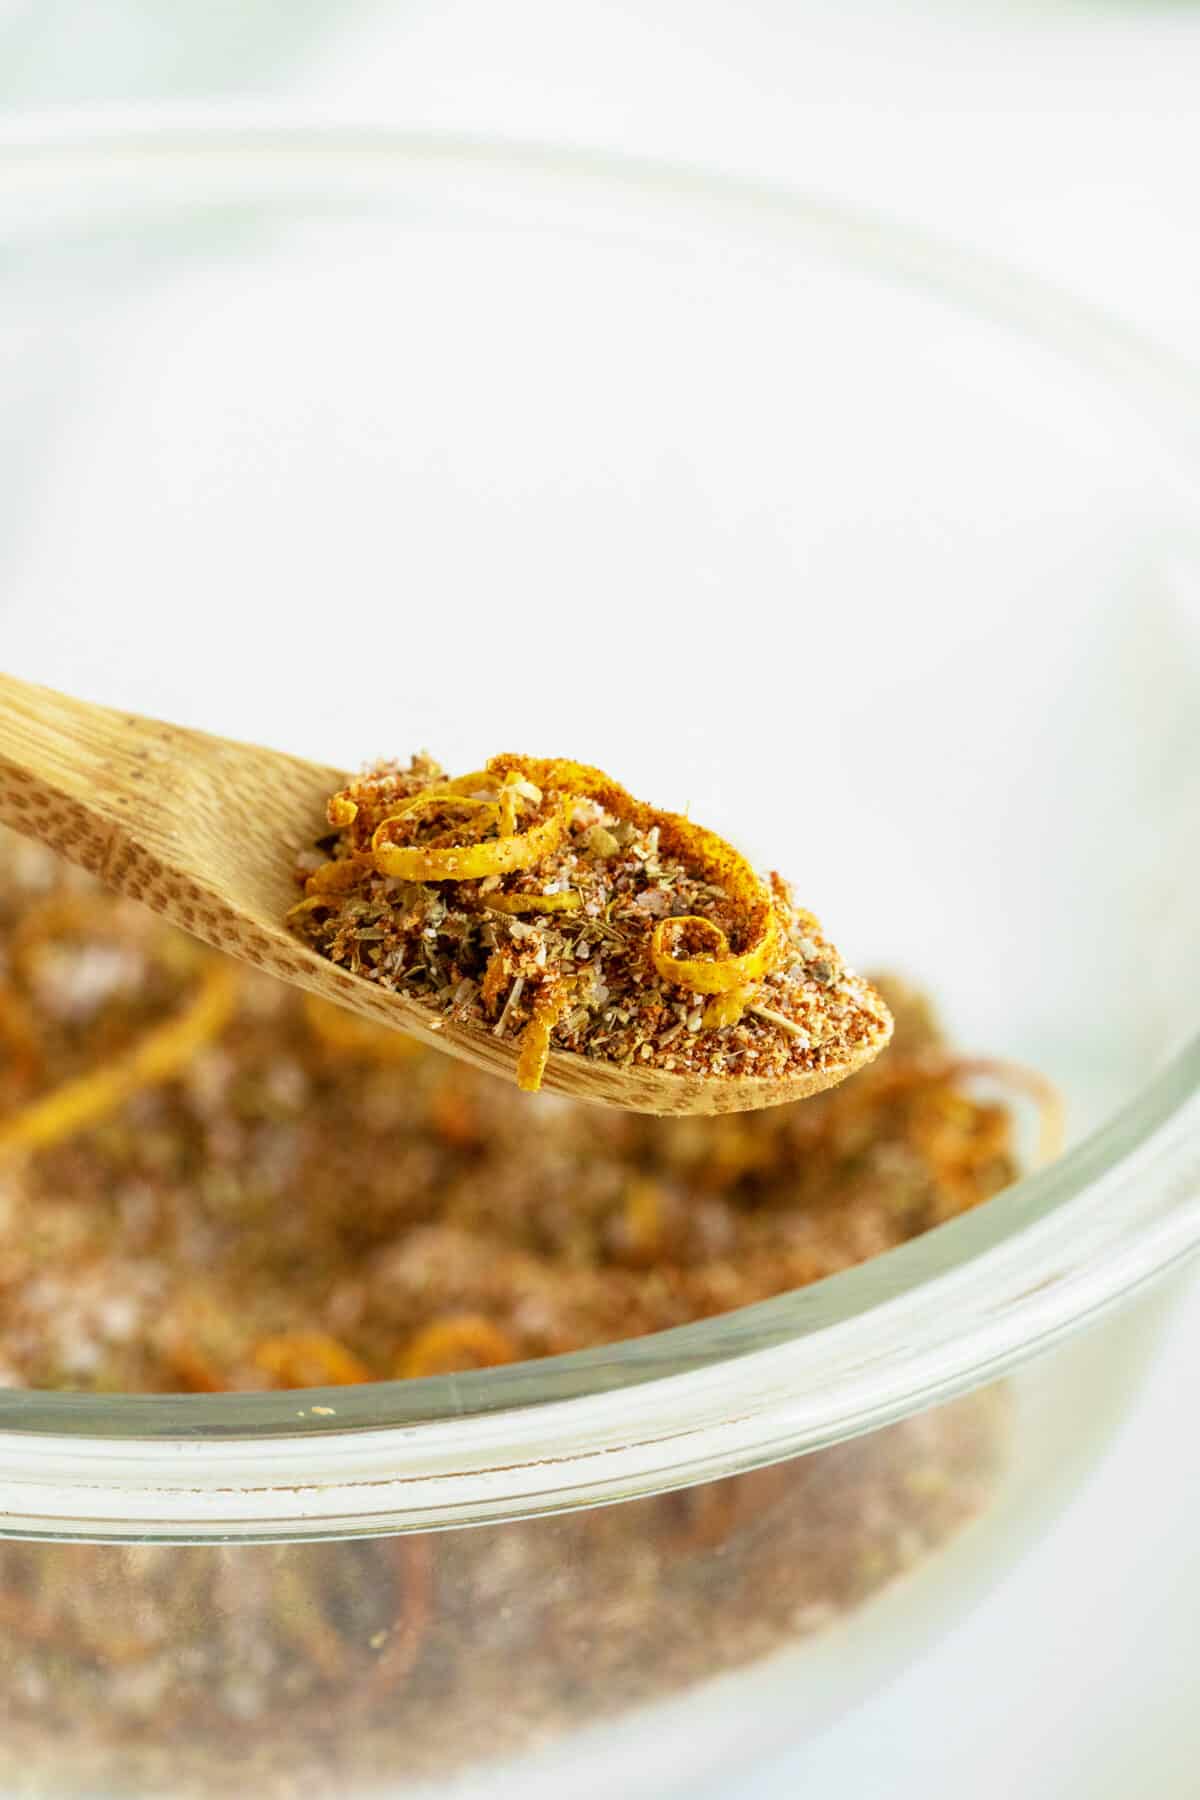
(332, 1671)
(209, 1182)
(538, 898)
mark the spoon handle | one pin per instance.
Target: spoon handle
(200, 828)
(82, 778)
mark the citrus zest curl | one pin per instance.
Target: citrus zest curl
(341, 811)
(725, 1009)
(310, 1359)
(694, 845)
(465, 1341)
(535, 1039)
(715, 971)
(469, 860)
(568, 901)
(338, 877)
(158, 1057)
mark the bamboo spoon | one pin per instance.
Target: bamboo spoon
(206, 831)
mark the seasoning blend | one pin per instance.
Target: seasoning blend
(538, 898)
(209, 1182)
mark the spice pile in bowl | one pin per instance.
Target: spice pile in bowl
(209, 1183)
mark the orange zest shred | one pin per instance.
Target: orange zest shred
(157, 1057)
(341, 811)
(929, 1068)
(713, 969)
(513, 790)
(712, 1513)
(568, 901)
(309, 1359)
(471, 858)
(304, 908)
(719, 971)
(534, 1051)
(643, 1215)
(18, 1033)
(298, 1615)
(411, 1558)
(448, 1346)
(495, 980)
(337, 877)
(726, 1009)
(365, 1674)
(1038, 1088)
(119, 1634)
(193, 1368)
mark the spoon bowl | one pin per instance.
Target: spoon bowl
(206, 831)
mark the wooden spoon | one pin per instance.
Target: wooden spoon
(206, 831)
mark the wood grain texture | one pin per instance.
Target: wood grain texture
(206, 832)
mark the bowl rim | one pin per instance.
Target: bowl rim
(955, 1307)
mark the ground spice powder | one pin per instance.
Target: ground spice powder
(293, 1197)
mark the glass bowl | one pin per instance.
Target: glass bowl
(882, 559)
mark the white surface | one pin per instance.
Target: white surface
(1065, 138)
(1076, 1679)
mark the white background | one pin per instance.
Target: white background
(1065, 137)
